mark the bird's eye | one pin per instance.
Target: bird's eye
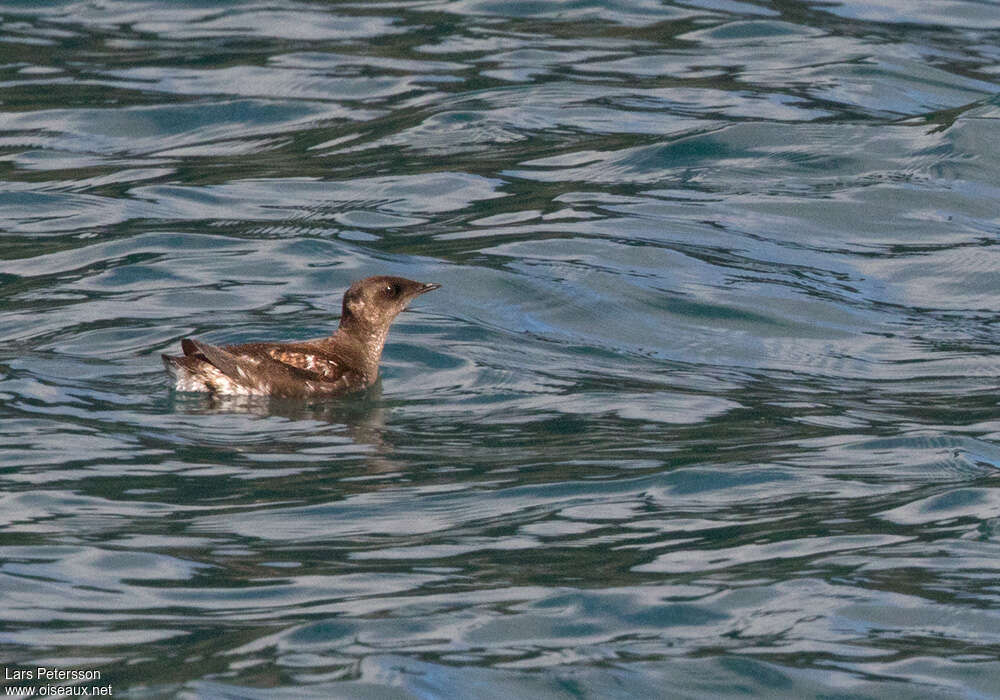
(392, 290)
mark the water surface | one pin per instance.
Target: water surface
(706, 406)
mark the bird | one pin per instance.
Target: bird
(346, 361)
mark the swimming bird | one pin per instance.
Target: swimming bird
(343, 362)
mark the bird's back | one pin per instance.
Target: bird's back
(318, 367)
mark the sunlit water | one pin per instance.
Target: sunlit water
(706, 407)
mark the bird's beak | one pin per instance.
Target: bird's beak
(423, 289)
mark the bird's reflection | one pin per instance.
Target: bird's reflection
(362, 414)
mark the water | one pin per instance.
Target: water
(706, 406)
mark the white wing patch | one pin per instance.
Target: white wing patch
(308, 361)
(210, 378)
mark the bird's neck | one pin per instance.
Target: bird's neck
(364, 340)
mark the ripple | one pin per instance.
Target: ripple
(295, 25)
(142, 130)
(955, 13)
(637, 13)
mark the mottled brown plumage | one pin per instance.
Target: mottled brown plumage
(343, 362)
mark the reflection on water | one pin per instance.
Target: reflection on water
(359, 421)
(707, 400)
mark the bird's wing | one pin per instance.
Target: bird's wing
(307, 356)
(258, 366)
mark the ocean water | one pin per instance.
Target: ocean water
(706, 407)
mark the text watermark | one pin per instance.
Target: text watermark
(45, 681)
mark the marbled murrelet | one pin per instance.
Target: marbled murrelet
(343, 362)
